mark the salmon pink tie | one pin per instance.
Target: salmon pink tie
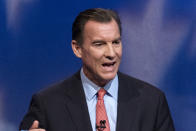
(102, 123)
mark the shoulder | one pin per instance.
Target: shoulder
(138, 86)
(60, 88)
(149, 101)
(148, 96)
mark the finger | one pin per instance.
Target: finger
(37, 130)
(35, 125)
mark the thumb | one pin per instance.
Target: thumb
(35, 125)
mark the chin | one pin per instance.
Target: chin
(108, 76)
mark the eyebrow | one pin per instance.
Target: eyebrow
(117, 39)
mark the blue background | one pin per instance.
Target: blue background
(159, 46)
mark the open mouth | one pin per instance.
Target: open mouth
(109, 64)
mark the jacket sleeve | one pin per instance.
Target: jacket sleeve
(164, 120)
(35, 112)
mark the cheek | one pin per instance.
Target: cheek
(95, 56)
(119, 52)
(91, 60)
(92, 57)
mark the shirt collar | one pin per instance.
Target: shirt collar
(91, 88)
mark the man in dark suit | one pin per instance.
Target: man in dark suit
(129, 104)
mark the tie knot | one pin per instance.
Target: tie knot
(101, 94)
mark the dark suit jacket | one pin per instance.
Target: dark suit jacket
(63, 107)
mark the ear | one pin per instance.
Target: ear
(76, 48)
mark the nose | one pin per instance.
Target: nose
(110, 51)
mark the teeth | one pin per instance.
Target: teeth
(108, 64)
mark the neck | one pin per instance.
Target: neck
(96, 80)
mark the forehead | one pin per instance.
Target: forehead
(101, 30)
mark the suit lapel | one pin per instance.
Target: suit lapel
(76, 104)
(127, 104)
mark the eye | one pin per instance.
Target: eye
(98, 43)
(116, 42)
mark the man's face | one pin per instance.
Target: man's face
(101, 51)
